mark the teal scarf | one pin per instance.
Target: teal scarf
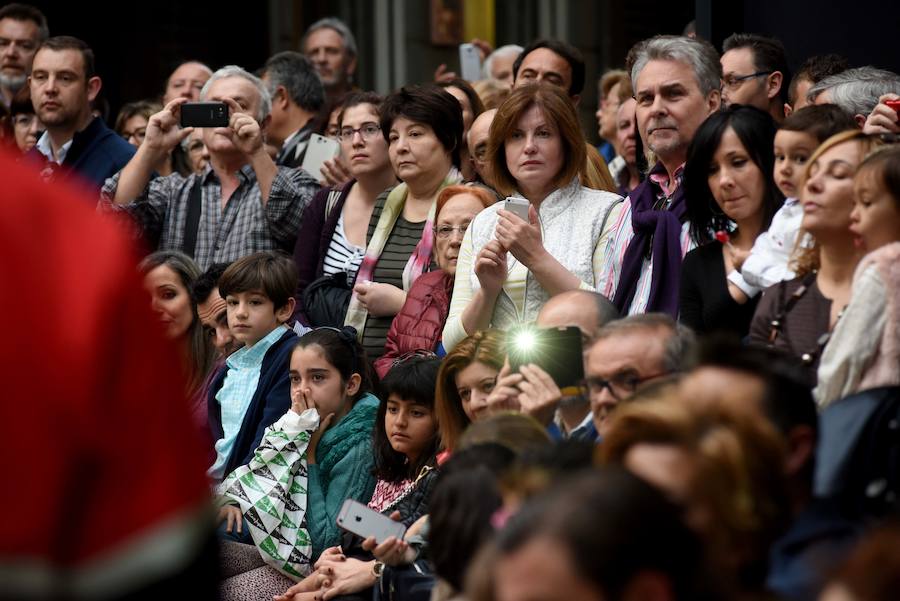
(354, 428)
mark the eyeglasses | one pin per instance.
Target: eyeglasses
(367, 131)
(138, 134)
(446, 231)
(733, 81)
(620, 386)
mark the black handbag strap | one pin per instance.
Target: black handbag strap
(192, 223)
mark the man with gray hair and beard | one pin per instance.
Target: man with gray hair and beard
(331, 47)
(242, 202)
(23, 29)
(676, 83)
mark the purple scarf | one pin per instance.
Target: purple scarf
(662, 229)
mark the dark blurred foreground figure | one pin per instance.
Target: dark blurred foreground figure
(872, 572)
(110, 497)
(602, 535)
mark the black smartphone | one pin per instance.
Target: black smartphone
(558, 351)
(204, 114)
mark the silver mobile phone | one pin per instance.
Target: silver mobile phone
(517, 205)
(469, 62)
(358, 519)
(318, 150)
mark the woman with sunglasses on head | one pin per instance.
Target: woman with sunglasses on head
(420, 322)
(332, 238)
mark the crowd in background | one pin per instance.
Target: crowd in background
(728, 261)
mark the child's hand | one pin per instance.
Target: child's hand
(393, 551)
(300, 401)
(232, 517)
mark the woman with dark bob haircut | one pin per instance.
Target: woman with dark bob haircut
(731, 198)
(423, 127)
(508, 267)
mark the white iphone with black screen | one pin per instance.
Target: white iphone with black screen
(358, 519)
(318, 150)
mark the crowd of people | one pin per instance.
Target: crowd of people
(727, 262)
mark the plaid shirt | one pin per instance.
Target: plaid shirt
(242, 227)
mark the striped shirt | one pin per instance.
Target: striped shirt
(620, 238)
(399, 247)
(242, 227)
(342, 255)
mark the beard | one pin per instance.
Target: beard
(59, 118)
(13, 82)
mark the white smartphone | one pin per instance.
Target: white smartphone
(358, 519)
(469, 62)
(517, 205)
(318, 150)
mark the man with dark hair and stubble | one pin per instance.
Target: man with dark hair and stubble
(22, 30)
(554, 62)
(755, 72)
(812, 71)
(63, 86)
(297, 97)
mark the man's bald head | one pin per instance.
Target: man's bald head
(587, 310)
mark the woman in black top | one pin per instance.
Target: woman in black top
(731, 198)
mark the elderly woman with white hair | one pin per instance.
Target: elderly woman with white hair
(239, 204)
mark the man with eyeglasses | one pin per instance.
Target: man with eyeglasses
(629, 352)
(297, 96)
(754, 72)
(477, 141)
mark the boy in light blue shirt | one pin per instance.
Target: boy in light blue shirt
(253, 389)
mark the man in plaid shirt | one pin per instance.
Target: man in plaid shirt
(248, 204)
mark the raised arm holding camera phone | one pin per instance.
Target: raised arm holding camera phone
(246, 203)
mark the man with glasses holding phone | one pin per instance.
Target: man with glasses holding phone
(755, 72)
(629, 352)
